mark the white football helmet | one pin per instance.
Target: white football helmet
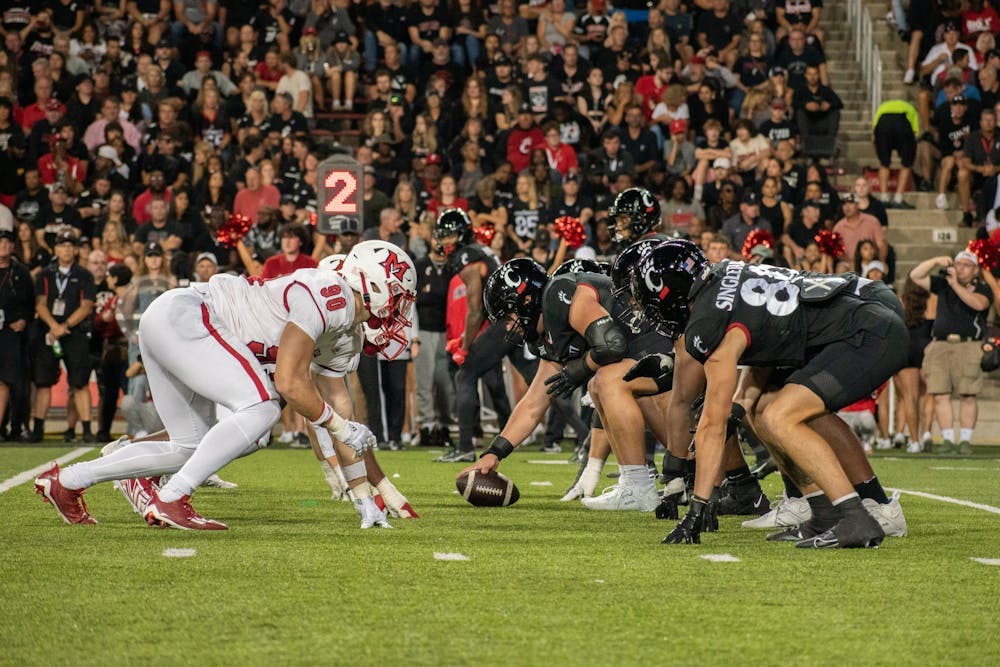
(332, 262)
(385, 278)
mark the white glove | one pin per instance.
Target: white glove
(356, 436)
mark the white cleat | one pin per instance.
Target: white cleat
(786, 513)
(371, 515)
(941, 201)
(286, 437)
(883, 443)
(621, 497)
(914, 447)
(115, 445)
(889, 516)
(217, 482)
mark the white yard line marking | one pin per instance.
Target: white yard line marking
(721, 558)
(541, 483)
(547, 462)
(28, 475)
(958, 468)
(954, 501)
(449, 556)
(179, 553)
(987, 561)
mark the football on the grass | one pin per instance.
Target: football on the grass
(491, 490)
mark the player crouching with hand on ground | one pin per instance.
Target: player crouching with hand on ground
(210, 344)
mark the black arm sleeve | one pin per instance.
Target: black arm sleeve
(607, 341)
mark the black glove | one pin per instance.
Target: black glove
(660, 367)
(667, 509)
(573, 374)
(688, 531)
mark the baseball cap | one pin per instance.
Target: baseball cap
(749, 197)
(6, 233)
(66, 236)
(778, 103)
(203, 54)
(152, 249)
(207, 255)
(524, 108)
(958, 99)
(995, 53)
(163, 44)
(57, 187)
(812, 203)
(762, 251)
(369, 169)
(439, 42)
(17, 141)
(950, 26)
(721, 163)
(876, 264)
(848, 198)
(968, 256)
(311, 30)
(341, 36)
(287, 199)
(678, 126)
(433, 158)
(696, 60)
(571, 176)
(53, 105)
(347, 225)
(502, 61)
(108, 152)
(776, 71)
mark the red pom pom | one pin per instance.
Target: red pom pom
(234, 229)
(571, 230)
(830, 243)
(987, 252)
(755, 238)
(484, 233)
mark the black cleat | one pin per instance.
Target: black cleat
(457, 456)
(744, 498)
(852, 532)
(797, 533)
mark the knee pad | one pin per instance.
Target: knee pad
(354, 471)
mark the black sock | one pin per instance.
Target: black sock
(759, 450)
(872, 489)
(673, 467)
(850, 506)
(689, 472)
(791, 488)
(86, 427)
(823, 512)
(39, 426)
(738, 475)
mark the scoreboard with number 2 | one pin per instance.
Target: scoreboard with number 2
(341, 193)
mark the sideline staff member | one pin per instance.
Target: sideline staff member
(16, 310)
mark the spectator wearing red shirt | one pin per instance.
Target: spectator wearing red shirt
(447, 197)
(157, 190)
(650, 87)
(61, 165)
(976, 19)
(561, 156)
(249, 200)
(33, 113)
(268, 71)
(524, 137)
(290, 259)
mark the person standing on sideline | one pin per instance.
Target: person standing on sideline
(16, 311)
(435, 387)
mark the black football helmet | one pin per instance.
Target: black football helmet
(662, 281)
(635, 212)
(452, 222)
(625, 263)
(516, 289)
(579, 266)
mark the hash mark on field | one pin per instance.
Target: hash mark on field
(449, 556)
(27, 475)
(179, 553)
(721, 558)
(987, 561)
(547, 462)
(955, 501)
(546, 483)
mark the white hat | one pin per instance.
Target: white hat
(209, 256)
(585, 252)
(721, 163)
(968, 256)
(874, 264)
(108, 152)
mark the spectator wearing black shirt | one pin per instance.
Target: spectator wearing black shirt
(779, 127)
(441, 65)
(610, 160)
(426, 21)
(751, 70)
(639, 142)
(435, 387)
(64, 302)
(17, 309)
(721, 31)
(952, 125)
(540, 88)
(385, 24)
(951, 360)
(286, 121)
(817, 113)
(796, 56)
(802, 232)
(160, 229)
(573, 204)
(979, 165)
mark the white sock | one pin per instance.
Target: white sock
(361, 491)
(139, 459)
(227, 440)
(850, 495)
(926, 436)
(390, 493)
(635, 476)
(884, 197)
(948, 434)
(898, 197)
(965, 435)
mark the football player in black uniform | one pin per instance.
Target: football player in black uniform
(841, 337)
(583, 335)
(483, 345)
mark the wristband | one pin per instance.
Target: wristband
(501, 448)
(324, 416)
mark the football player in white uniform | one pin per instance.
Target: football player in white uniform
(210, 343)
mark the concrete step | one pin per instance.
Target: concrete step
(919, 239)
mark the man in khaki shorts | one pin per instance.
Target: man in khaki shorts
(951, 361)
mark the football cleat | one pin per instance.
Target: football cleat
(786, 513)
(798, 533)
(138, 491)
(622, 497)
(403, 511)
(69, 503)
(217, 482)
(457, 456)
(914, 447)
(889, 516)
(743, 498)
(371, 515)
(852, 532)
(178, 514)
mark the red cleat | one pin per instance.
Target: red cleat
(178, 514)
(404, 511)
(68, 502)
(138, 491)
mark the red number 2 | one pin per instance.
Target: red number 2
(344, 185)
(332, 291)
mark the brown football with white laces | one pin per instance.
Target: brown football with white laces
(493, 489)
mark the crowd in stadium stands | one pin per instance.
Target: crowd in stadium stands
(130, 130)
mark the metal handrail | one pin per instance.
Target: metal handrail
(866, 52)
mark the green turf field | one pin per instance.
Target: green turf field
(294, 580)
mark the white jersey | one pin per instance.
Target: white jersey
(337, 355)
(256, 310)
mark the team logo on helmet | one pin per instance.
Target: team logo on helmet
(394, 268)
(511, 279)
(655, 284)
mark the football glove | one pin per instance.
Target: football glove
(575, 373)
(659, 367)
(356, 436)
(701, 516)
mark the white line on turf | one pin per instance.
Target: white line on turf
(179, 553)
(550, 463)
(987, 561)
(541, 483)
(721, 558)
(954, 501)
(449, 556)
(28, 475)
(957, 468)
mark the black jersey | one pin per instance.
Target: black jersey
(781, 311)
(472, 253)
